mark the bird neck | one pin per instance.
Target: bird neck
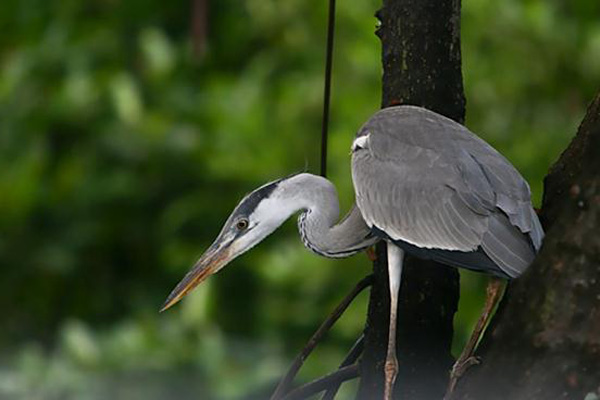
(318, 224)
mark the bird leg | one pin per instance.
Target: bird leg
(395, 257)
(467, 359)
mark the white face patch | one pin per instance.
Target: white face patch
(361, 142)
(269, 215)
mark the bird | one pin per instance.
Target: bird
(423, 183)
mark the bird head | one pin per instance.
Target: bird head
(258, 214)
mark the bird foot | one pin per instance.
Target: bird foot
(458, 370)
(461, 366)
(391, 370)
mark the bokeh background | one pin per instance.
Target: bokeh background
(127, 136)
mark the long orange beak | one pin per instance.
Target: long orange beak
(212, 261)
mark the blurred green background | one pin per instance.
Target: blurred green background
(122, 150)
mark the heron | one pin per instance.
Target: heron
(423, 183)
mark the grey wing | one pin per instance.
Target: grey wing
(426, 180)
(410, 197)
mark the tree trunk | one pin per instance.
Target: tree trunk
(545, 341)
(422, 66)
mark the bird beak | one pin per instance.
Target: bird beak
(215, 258)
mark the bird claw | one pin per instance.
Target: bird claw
(458, 370)
(461, 366)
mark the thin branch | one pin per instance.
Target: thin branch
(284, 384)
(318, 385)
(199, 27)
(327, 88)
(351, 358)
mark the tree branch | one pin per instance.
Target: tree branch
(545, 338)
(318, 385)
(351, 357)
(284, 384)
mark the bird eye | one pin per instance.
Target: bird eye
(242, 224)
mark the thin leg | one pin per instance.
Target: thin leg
(395, 257)
(493, 295)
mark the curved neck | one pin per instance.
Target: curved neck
(318, 225)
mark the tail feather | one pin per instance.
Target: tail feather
(507, 246)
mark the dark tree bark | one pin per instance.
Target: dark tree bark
(422, 66)
(545, 341)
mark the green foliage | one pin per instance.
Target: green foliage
(121, 153)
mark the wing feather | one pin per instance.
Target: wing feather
(507, 246)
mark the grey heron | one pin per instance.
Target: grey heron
(423, 183)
